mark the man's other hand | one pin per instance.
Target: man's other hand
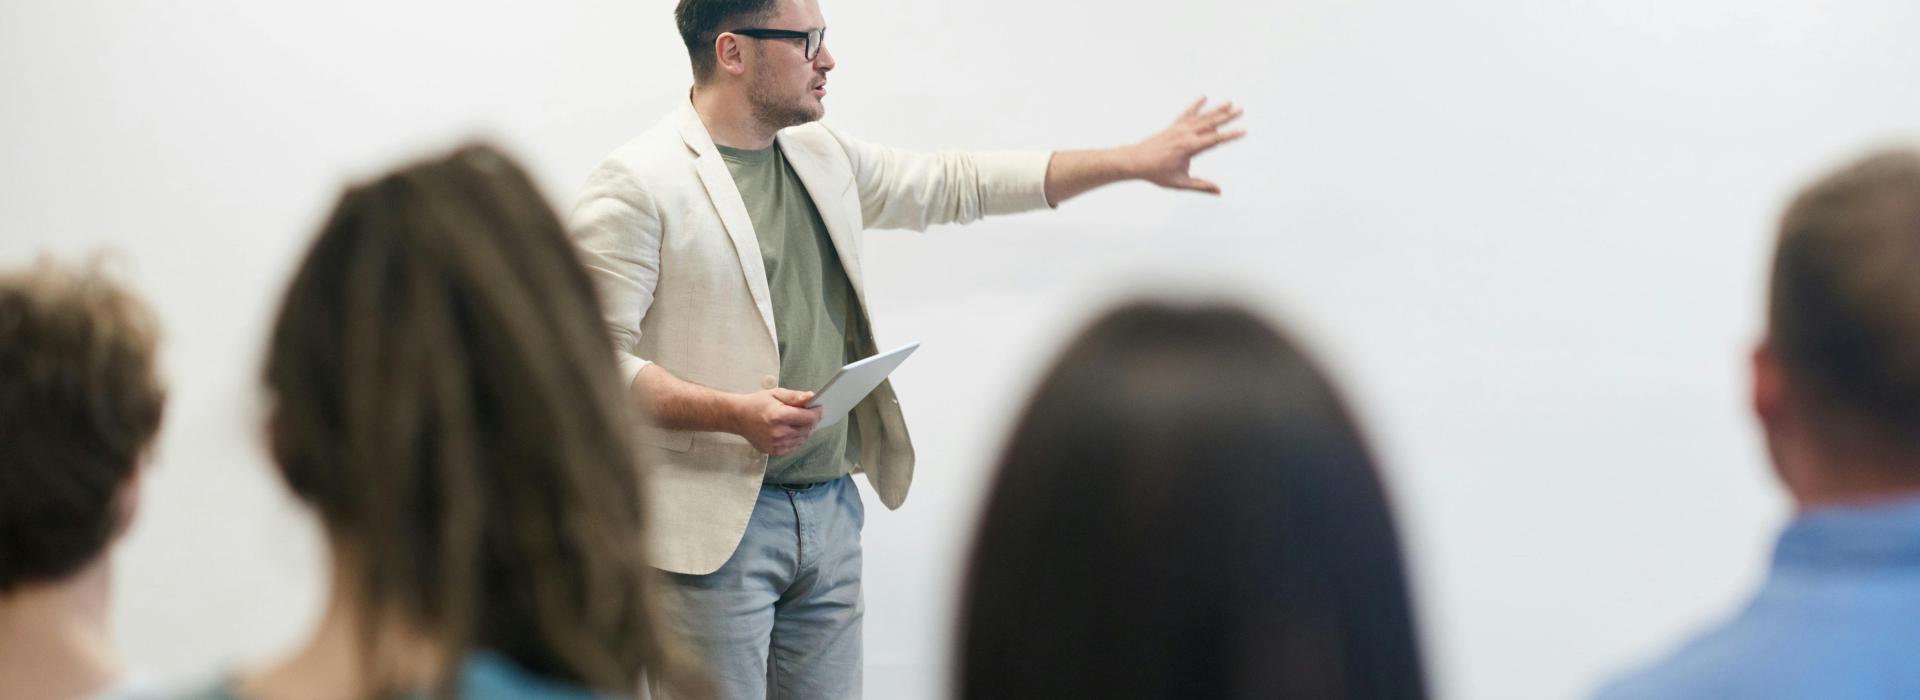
(777, 421)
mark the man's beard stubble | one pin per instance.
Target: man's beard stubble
(778, 114)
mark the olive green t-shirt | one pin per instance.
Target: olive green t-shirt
(814, 310)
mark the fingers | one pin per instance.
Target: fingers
(1194, 108)
(1220, 137)
(791, 397)
(788, 421)
(1220, 116)
(788, 437)
(786, 440)
(802, 418)
(1197, 185)
(788, 424)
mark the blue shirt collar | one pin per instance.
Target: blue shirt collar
(489, 674)
(1875, 536)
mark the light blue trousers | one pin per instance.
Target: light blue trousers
(781, 619)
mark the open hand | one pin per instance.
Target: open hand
(1164, 158)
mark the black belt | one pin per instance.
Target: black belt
(803, 487)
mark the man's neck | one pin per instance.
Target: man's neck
(1831, 497)
(729, 119)
(55, 640)
(1837, 484)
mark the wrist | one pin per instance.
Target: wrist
(1128, 162)
(738, 412)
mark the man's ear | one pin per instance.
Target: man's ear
(1769, 387)
(727, 54)
(126, 500)
(276, 435)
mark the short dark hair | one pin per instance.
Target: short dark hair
(702, 20)
(1186, 510)
(80, 402)
(1844, 315)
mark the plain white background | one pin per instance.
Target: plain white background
(1529, 238)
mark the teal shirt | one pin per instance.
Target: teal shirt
(815, 312)
(485, 676)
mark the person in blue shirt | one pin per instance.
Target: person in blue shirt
(1837, 392)
(439, 398)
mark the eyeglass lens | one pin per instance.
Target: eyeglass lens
(814, 39)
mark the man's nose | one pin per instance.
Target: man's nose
(823, 60)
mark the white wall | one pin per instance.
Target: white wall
(1529, 236)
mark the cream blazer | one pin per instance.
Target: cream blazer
(670, 247)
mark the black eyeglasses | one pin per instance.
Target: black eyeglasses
(813, 38)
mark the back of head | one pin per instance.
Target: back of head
(446, 401)
(701, 21)
(80, 402)
(1186, 510)
(1845, 308)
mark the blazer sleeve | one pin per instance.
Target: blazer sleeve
(617, 227)
(907, 190)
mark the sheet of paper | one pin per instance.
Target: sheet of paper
(854, 381)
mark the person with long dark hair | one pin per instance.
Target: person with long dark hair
(1186, 510)
(442, 398)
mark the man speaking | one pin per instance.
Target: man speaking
(726, 245)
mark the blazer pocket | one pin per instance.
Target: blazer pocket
(672, 440)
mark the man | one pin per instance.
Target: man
(79, 406)
(1837, 391)
(726, 241)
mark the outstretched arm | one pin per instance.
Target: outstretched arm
(1162, 159)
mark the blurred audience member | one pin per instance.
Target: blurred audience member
(1187, 510)
(80, 402)
(443, 400)
(1837, 391)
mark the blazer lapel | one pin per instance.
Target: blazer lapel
(733, 213)
(827, 192)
